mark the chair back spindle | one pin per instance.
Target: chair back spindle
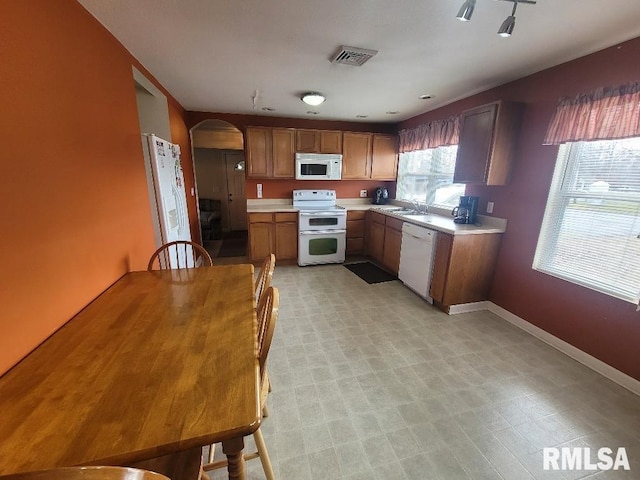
(179, 254)
(264, 276)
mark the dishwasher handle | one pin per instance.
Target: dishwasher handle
(419, 233)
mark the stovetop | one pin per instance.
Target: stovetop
(313, 208)
(315, 200)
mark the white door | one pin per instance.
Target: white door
(236, 193)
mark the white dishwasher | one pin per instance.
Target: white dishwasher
(416, 258)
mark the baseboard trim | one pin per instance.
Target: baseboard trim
(468, 307)
(584, 358)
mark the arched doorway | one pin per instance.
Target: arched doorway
(218, 158)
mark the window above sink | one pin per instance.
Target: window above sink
(426, 177)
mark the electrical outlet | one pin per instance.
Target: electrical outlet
(489, 207)
(363, 193)
(259, 189)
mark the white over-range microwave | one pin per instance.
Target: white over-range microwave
(318, 166)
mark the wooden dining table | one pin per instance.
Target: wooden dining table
(160, 364)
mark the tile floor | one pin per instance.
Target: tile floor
(371, 382)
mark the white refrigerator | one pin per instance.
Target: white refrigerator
(166, 190)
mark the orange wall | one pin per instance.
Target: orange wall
(76, 212)
(606, 328)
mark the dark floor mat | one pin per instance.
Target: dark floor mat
(234, 244)
(368, 272)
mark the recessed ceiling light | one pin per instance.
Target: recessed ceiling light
(395, 112)
(268, 109)
(425, 97)
(362, 116)
(311, 112)
(313, 98)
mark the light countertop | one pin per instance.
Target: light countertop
(437, 219)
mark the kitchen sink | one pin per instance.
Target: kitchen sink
(404, 211)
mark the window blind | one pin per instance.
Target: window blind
(591, 229)
(426, 176)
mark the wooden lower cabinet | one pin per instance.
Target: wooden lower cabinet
(286, 226)
(463, 268)
(355, 231)
(374, 236)
(391, 251)
(260, 240)
(275, 233)
(383, 240)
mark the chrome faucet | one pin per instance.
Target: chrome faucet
(419, 207)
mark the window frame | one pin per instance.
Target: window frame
(426, 192)
(560, 195)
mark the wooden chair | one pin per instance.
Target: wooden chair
(180, 254)
(88, 473)
(267, 315)
(263, 281)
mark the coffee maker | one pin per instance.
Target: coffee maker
(380, 196)
(466, 211)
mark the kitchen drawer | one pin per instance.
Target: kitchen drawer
(394, 223)
(356, 214)
(260, 217)
(286, 217)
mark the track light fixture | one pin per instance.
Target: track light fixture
(506, 29)
(465, 12)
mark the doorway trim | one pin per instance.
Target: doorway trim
(193, 156)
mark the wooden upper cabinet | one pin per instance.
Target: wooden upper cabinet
(488, 136)
(384, 161)
(284, 146)
(307, 141)
(319, 141)
(330, 141)
(270, 152)
(258, 151)
(356, 155)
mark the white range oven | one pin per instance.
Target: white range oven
(322, 227)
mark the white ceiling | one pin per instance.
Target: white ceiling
(214, 55)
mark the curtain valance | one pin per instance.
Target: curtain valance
(437, 133)
(606, 114)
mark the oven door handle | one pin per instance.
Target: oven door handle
(322, 232)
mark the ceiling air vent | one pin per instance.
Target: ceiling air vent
(352, 56)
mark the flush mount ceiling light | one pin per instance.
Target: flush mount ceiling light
(506, 29)
(312, 98)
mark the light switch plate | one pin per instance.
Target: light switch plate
(259, 188)
(363, 193)
(489, 207)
